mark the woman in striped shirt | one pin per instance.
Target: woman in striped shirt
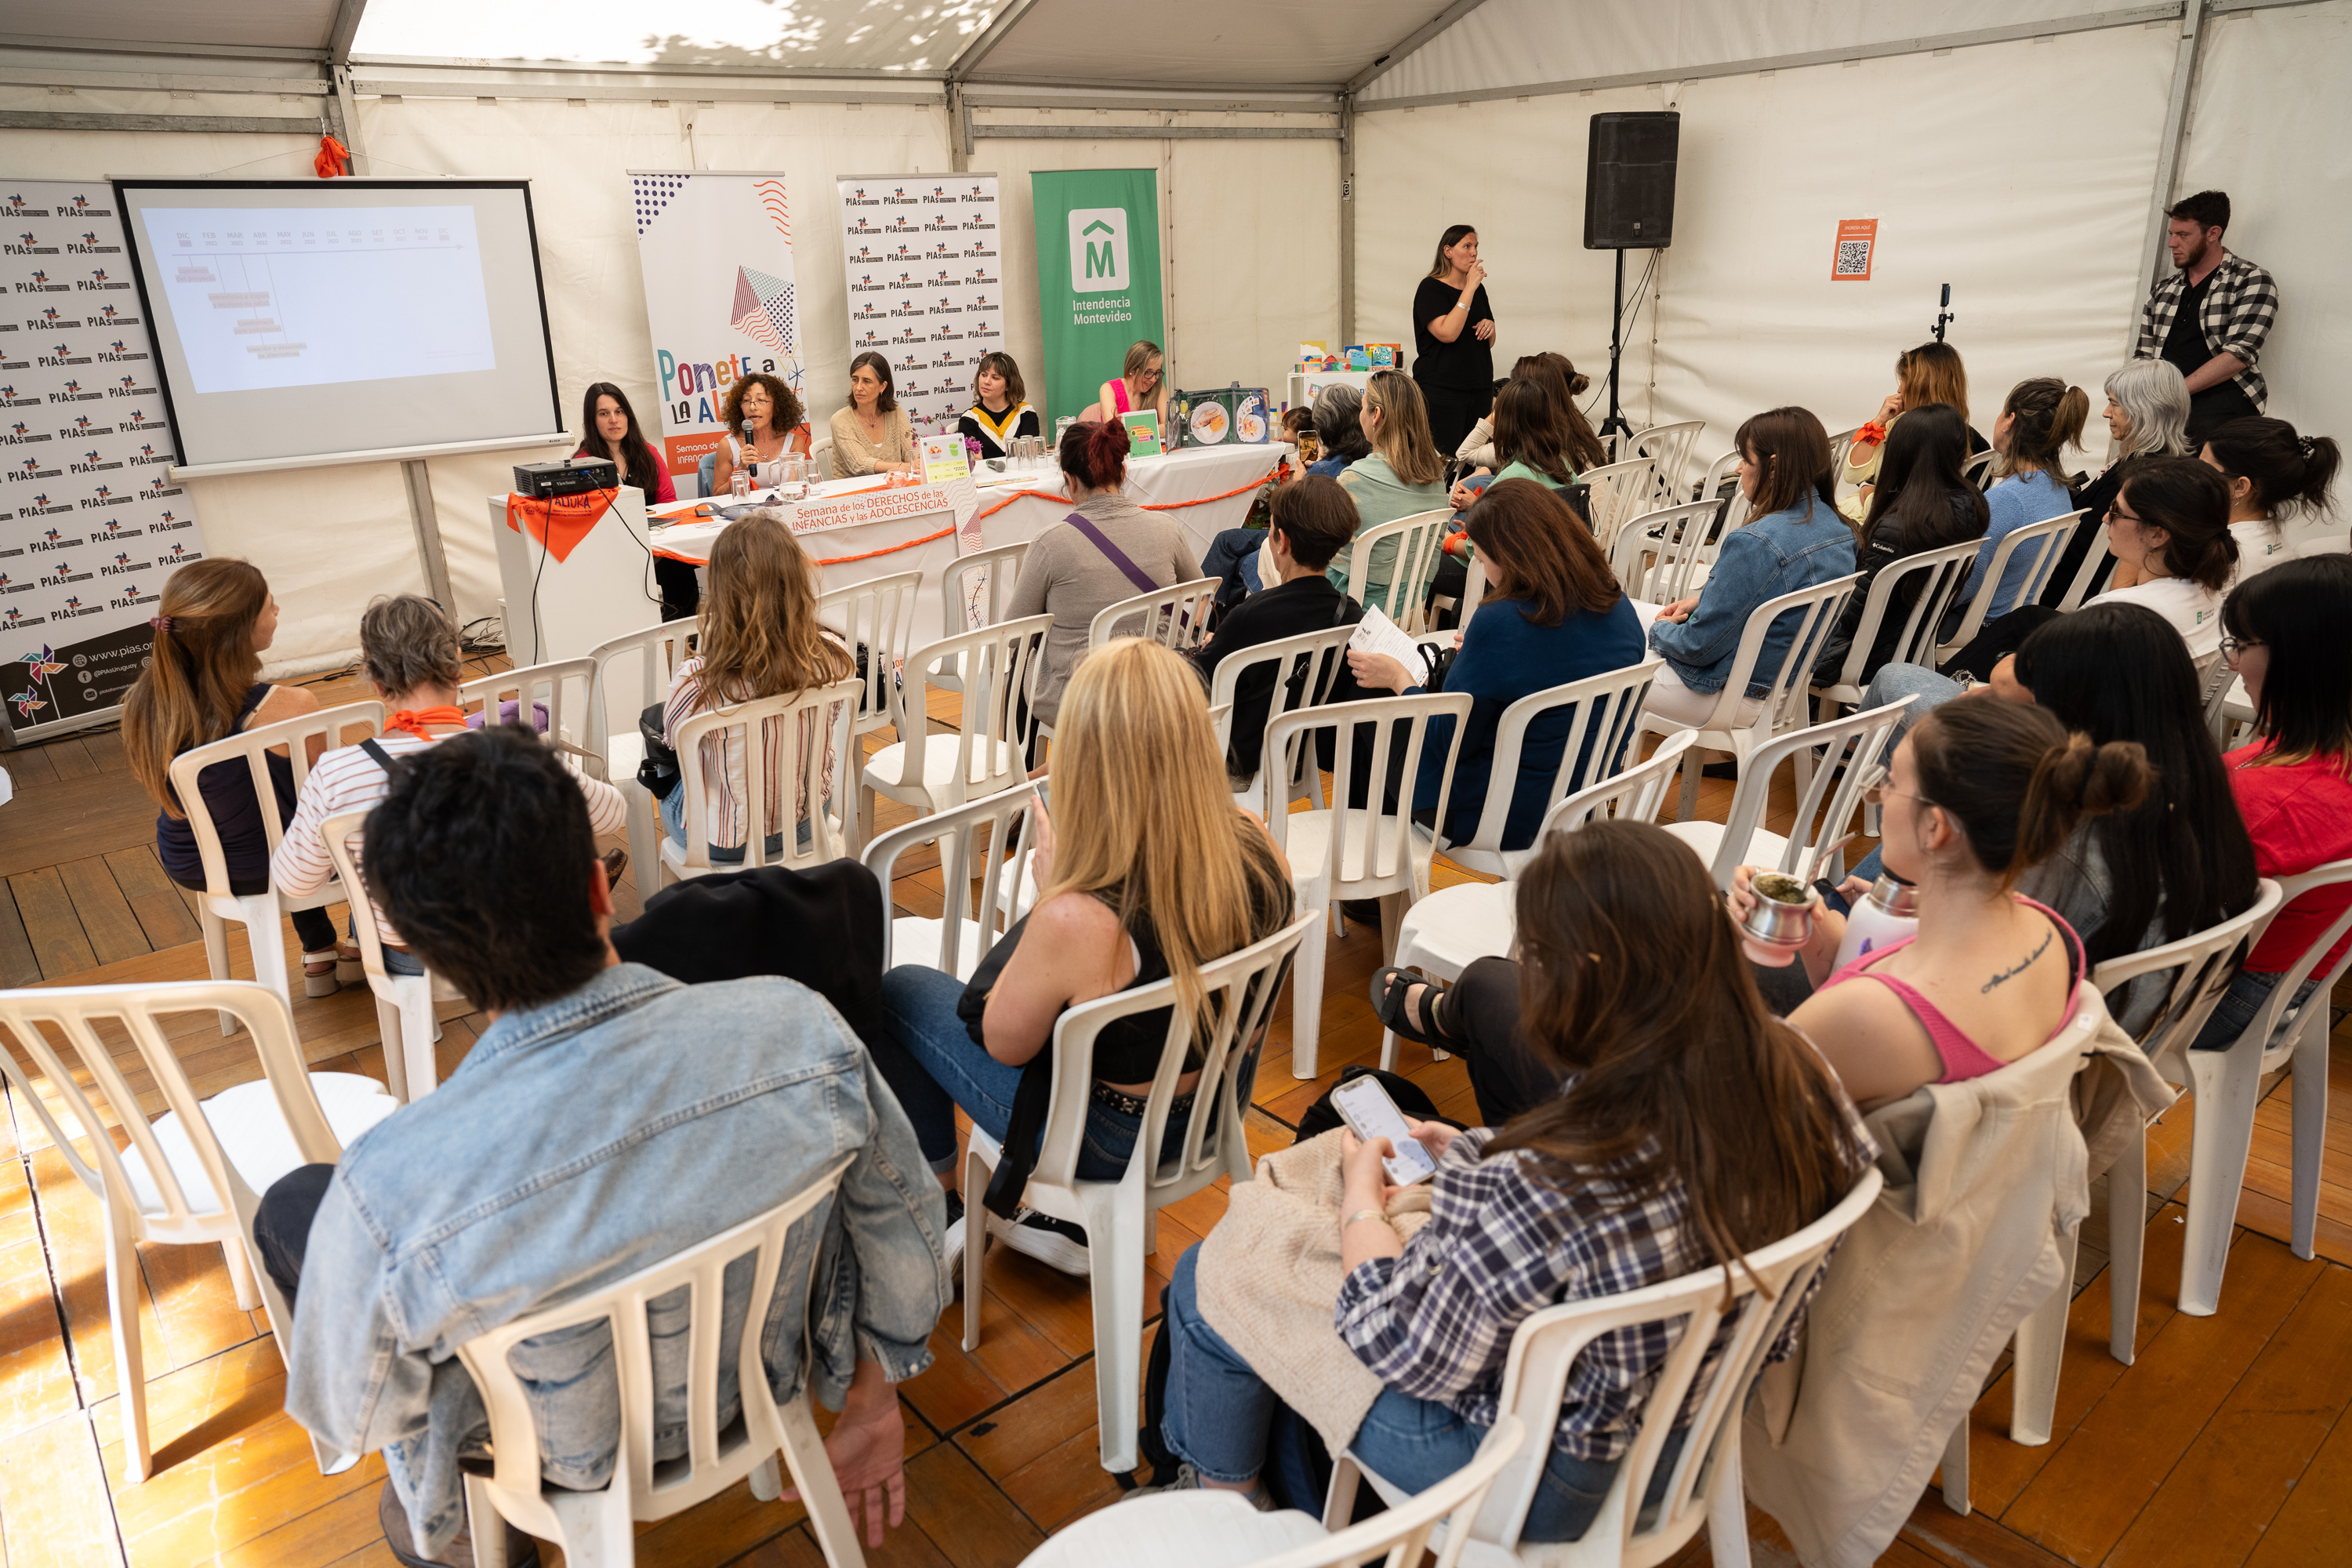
(757, 637)
(409, 651)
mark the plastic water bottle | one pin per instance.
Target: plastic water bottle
(1888, 913)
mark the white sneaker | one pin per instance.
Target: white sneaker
(953, 1241)
(1055, 1243)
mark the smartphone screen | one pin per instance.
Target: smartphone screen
(1370, 1113)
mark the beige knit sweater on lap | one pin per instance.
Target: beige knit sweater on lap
(1269, 1275)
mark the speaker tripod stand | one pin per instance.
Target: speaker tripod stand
(1616, 423)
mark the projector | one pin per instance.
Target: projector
(570, 477)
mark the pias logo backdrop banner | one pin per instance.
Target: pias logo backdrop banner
(721, 299)
(92, 523)
(924, 259)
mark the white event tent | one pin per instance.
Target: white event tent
(2020, 151)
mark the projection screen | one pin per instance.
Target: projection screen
(294, 320)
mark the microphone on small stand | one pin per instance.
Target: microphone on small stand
(1944, 312)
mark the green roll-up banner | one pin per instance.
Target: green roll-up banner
(1098, 277)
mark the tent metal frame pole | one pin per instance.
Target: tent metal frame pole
(1348, 218)
(2168, 154)
(339, 77)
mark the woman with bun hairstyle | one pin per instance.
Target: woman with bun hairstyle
(1080, 567)
(1977, 795)
(2041, 419)
(2275, 477)
(202, 684)
(2170, 530)
(2287, 641)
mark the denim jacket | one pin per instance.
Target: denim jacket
(1779, 553)
(580, 1142)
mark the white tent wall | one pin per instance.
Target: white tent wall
(1249, 246)
(2271, 125)
(2018, 172)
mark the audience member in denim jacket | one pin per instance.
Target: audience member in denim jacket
(1797, 539)
(606, 1120)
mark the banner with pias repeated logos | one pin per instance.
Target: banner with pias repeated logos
(91, 522)
(925, 262)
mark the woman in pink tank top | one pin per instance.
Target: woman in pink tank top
(1139, 385)
(1978, 792)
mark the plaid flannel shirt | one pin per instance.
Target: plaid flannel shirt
(1501, 1245)
(2239, 309)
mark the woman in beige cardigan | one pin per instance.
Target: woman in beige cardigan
(1692, 1127)
(872, 435)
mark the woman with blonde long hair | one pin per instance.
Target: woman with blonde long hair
(1147, 870)
(1932, 373)
(202, 684)
(1403, 477)
(757, 637)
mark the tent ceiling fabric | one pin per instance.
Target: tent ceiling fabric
(269, 23)
(1523, 43)
(1218, 42)
(917, 37)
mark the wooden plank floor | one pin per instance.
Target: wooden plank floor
(2224, 1443)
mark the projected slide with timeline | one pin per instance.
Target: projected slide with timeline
(267, 297)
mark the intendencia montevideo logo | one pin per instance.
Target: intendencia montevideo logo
(1099, 256)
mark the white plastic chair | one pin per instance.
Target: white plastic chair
(1305, 668)
(1936, 575)
(1827, 799)
(821, 454)
(1453, 928)
(1420, 542)
(1724, 467)
(1977, 469)
(2043, 543)
(877, 614)
(2098, 555)
(971, 840)
(931, 773)
(1619, 492)
(1177, 618)
(1601, 713)
(1238, 993)
(655, 652)
(595, 1528)
(1340, 852)
(817, 754)
(1757, 1295)
(403, 1003)
(1670, 447)
(1664, 555)
(195, 1174)
(1739, 723)
(1208, 1529)
(1839, 445)
(262, 914)
(560, 686)
(980, 584)
(2217, 685)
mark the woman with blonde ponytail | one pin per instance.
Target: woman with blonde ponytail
(203, 683)
(1977, 795)
(1146, 871)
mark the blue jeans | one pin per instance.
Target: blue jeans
(396, 960)
(2246, 997)
(929, 1059)
(673, 815)
(1232, 557)
(1219, 1411)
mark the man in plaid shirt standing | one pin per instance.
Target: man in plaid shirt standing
(2209, 318)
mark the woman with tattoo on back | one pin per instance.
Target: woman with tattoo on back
(1976, 795)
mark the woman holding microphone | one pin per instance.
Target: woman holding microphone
(1454, 338)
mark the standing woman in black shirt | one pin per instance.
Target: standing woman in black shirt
(1454, 339)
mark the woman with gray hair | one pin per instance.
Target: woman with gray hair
(1232, 557)
(2148, 417)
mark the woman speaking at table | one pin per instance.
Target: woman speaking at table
(872, 435)
(764, 424)
(1454, 338)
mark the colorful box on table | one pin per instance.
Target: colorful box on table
(1229, 415)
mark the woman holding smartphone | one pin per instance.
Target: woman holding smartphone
(1713, 1127)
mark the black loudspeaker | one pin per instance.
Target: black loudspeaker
(1629, 180)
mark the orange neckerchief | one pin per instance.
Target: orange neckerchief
(412, 721)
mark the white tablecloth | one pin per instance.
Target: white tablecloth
(1182, 476)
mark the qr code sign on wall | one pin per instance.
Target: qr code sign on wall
(1857, 239)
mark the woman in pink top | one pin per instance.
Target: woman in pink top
(1139, 385)
(1976, 794)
